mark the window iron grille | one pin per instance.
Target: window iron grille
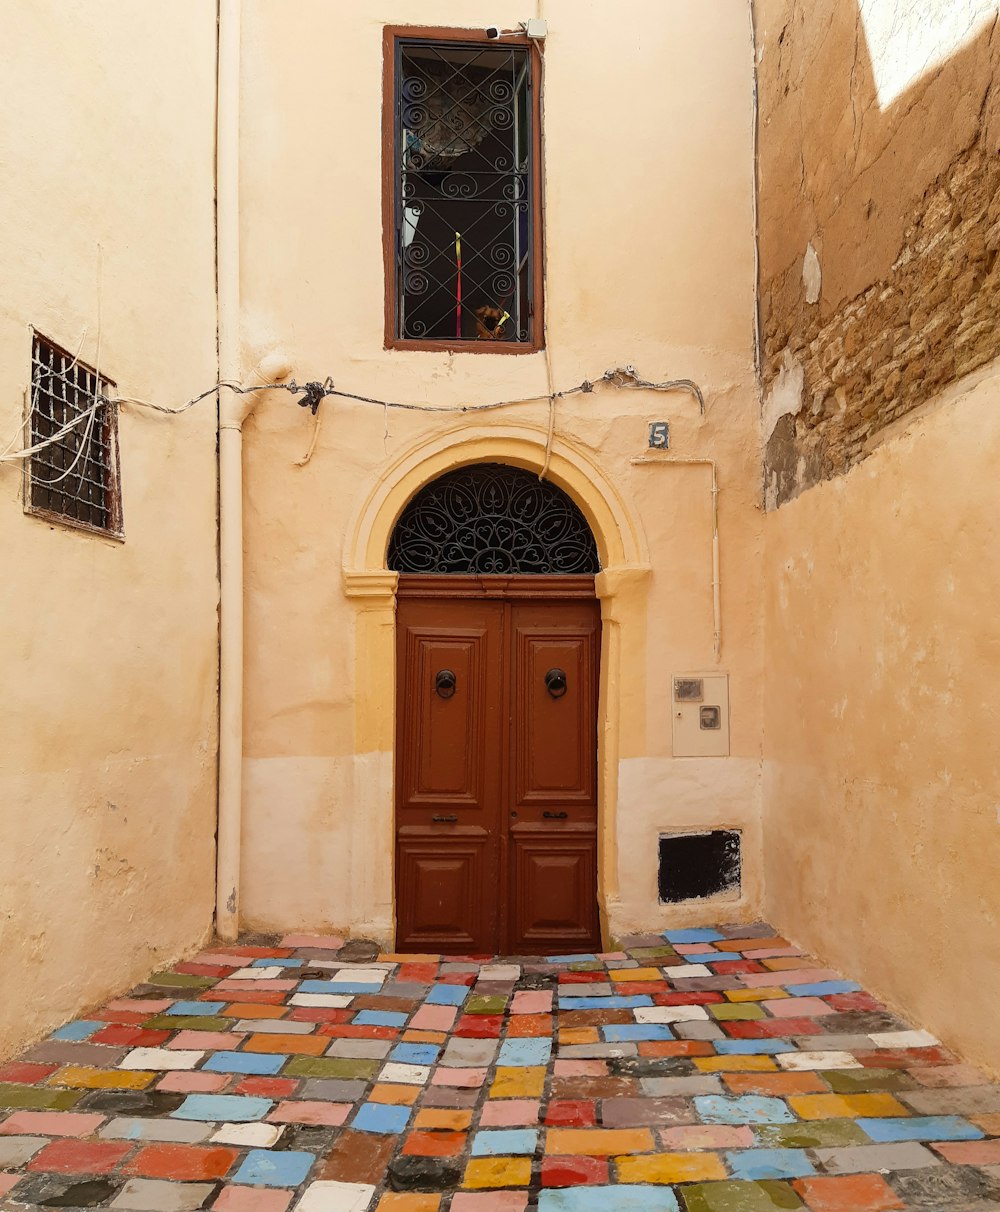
(74, 479)
(494, 519)
(463, 184)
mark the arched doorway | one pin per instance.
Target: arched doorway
(498, 636)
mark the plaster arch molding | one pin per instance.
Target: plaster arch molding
(371, 587)
(620, 542)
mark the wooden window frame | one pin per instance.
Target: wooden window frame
(392, 34)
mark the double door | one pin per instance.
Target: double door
(496, 765)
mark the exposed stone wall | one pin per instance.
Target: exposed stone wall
(862, 324)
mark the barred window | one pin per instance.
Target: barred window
(462, 183)
(74, 476)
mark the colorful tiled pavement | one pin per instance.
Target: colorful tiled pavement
(710, 1070)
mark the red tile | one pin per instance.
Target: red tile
(737, 967)
(259, 997)
(434, 1144)
(676, 1047)
(320, 1014)
(80, 1156)
(123, 1036)
(260, 952)
(267, 1087)
(133, 1018)
(855, 1001)
(216, 970)
(905, 1058)
(971, 1152)
(479, 1026)
(420, 974)
(573, 1171)
(692, 998)
(25, 1073)
(631, 988)
(850, 1193)
(582, 978)
(349, 1031)
(182, 1162)
(767, 1028)
(571, 1113)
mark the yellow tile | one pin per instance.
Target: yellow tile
(845, 1106)
(441, 1117)
(735, 1064)
(579, 1035)
(396, 957)
(518, 1083)
(598, 1142)
(424, 1037)
(101, 1079)
(636, 974)
(497, 1172)
(755, 995)
(404, 1096)
(670, 1168)
(391, 1202)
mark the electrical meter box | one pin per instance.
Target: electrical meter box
(701, 714)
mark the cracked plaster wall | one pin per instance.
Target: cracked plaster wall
(881, 779)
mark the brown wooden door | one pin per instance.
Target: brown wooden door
(496, 776)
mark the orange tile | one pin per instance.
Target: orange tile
(755, 995)
(846, 1106)
(636, 974)
(735, 1064)
(399, 1096)
(533, 1025)
(442, 1118)
(252, 1010)
(434, 1144)
(598, 1142)
(296, 1045)
(579, 1035)
(777, 1084)
(488, 1172)
(424, 1037)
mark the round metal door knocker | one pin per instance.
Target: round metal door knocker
(555, 683)
(445, 683)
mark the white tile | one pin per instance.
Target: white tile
(904, 1039)
(336, 1001)
(410, 1075)
(688, 970)
(670, 1014)
(500, 972)
(363, 976)
(160, 1058)
(256, 1136)
(274, 1026)
(817, 1060)
(336, 1197)
(254, 974)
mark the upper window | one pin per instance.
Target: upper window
(73, 475)
(463, 216)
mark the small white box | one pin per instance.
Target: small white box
(700, 711)
(536, 27)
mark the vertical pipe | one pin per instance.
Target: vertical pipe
(230, 473)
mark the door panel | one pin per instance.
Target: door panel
(496, 847)
(554, 890)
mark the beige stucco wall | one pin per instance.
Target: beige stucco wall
(650, 261)
(107, 763)
(882, 778)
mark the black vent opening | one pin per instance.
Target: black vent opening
(695, 865)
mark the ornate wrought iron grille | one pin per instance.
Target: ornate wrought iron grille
(463, 179)
(75, 478)
(491, 518)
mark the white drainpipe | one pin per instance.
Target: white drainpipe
(233, 411)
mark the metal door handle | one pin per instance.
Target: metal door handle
(445, 682)
(555, 683)
(444, 820)
(555, 816)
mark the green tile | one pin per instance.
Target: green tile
(730, 1011)
(37, 1098)
(866, 1081)
(815, 1134)
(188, 1022)
(739, 1197)
(331, 1066)
(494, 1004)
(180, 980)
(653, 953)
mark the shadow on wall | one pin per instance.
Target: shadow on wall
(878, 226)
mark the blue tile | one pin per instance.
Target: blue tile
(750, 1109)
(504, 1141)
(261, 1063)
(636, 1031)
(692, 936)
(570, 959)
(381, 1117)
(447, 995)
(622, 1198)
(752, 1047)
(230, 1108)
(379, 1018)
(81, 1029)
(923, 1127)
(274, 1168)
(277, 963)
(604, 1003)
(338, 987)
(821, 988)
(522, 1052)
(195, 1007)
(757, 1164)
(415, 1054)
